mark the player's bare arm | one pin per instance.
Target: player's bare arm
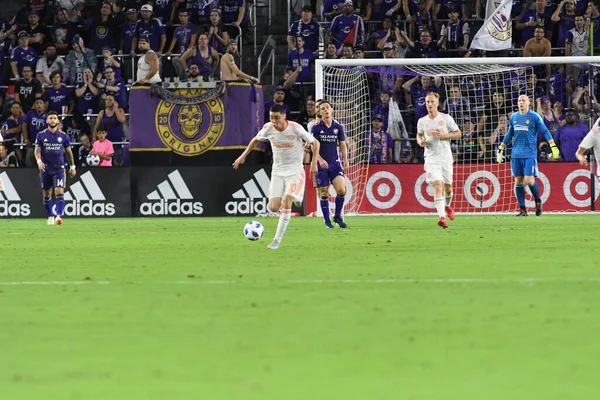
(38, 157)
(581, 156)
(344, 150)
(316, 146)
(71, 159)
(448, 136)
(241, 159)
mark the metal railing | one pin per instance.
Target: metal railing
(269, 44)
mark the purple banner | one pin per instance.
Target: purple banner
(228, 121)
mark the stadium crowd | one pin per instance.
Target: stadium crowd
(79, 59)
(480, 103)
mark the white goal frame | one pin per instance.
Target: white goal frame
(320, 64)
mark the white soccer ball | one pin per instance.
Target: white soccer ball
(92, 160)
(254, 230)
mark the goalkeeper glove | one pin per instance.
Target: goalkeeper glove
(500, 154)
(555, 151)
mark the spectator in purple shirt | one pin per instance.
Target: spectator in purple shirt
(109, 84)
(33, 123)
(22, 55)
(307, 28)
(128, 31)
(109, 60)
(152, 29)
(570, 135)
(185, 34)
(27, 89)
(87, 94)
(425, 48)
(531, 18)
(303, 57)
(233, 13)
(103, 29)
(57, 96)
(164, 10)
(377, 10)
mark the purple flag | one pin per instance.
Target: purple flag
(227, 121)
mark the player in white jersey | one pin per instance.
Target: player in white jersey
(592, 139)
(434, 132)
(287, 175)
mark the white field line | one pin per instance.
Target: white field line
(196, 281)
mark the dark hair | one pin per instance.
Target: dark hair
(55, 73)
(101, 128)
(109, 66)
(277, 108)
(49, 112)
(82, 134)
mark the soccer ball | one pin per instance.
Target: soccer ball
(254, 230)
(92, 160)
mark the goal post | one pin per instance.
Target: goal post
(480, 94)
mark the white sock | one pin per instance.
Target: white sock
(440, 206)
(448, 199)
(284, 219)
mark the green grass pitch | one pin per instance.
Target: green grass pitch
(494, 308)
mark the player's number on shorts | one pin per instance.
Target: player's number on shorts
(60, 182)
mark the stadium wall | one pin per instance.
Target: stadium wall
(220, 191)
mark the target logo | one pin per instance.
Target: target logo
(424, 197)
(544, 189)
(482, 189)
(577, 189)
(383, 190)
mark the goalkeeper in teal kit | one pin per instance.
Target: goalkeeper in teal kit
(523, 128)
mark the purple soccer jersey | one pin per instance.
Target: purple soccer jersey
(306, 59)
(128, 33)
(52, 147)
(24, 57)
(35, 124)
(310, 33)
(328, 138)
(57, 98)
(154, 29)
(183, 34)
(88, 103)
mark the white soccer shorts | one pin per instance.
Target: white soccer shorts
(292, 185)
(439, 172)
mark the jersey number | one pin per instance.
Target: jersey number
(60, 182)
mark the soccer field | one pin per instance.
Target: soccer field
(496, 307)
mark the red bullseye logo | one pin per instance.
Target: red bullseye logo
(577, 188)
(424, 192)
(383, 190)
(482, 189)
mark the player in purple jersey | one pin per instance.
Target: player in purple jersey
(329, 133)
(51, 145)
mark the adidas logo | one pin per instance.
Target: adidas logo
(84, 198)
(252, 199)
(168, 196)
(10, 201)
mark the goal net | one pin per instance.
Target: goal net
(386, 171)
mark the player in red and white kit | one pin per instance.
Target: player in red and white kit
(591, 140)
(434, 133)
(287, 174)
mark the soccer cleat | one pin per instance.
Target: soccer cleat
(450, 213)
(328, 225)
(58, 220)
(522, 213)
(340, 222)
(274, 245)
(442, 222)
(538, 208)
(50, 220)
